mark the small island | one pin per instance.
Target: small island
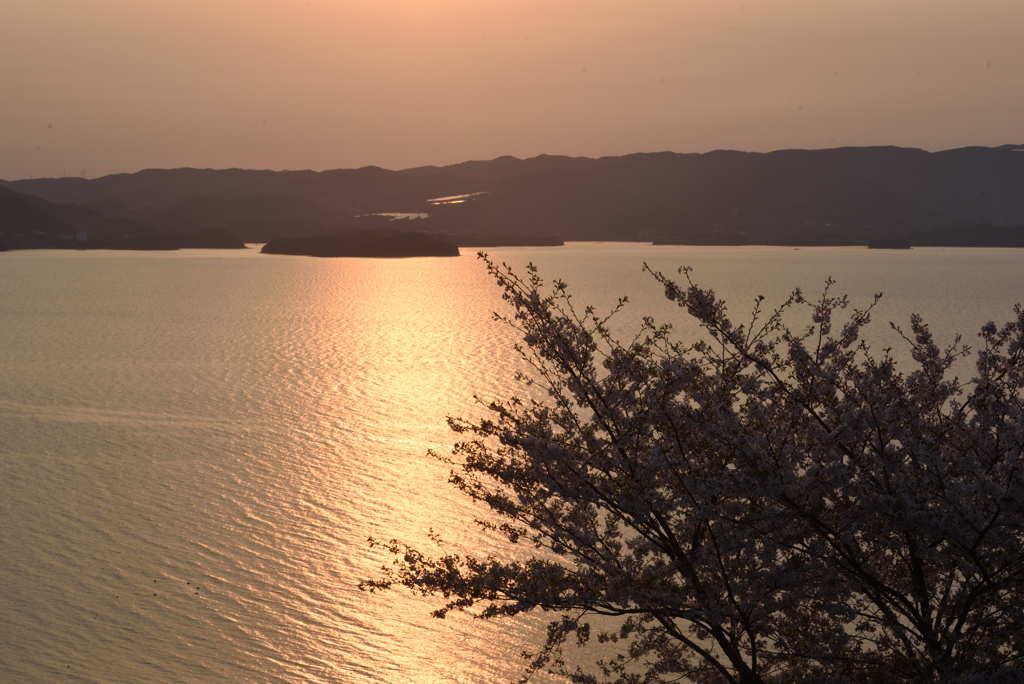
(367, 244)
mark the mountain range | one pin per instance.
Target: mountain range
(863, 195)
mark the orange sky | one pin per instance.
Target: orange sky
(92, 87)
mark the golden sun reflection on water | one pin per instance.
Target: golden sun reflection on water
(392, 347)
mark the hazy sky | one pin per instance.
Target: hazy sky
(92, 87)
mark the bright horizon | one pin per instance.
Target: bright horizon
(95, 87)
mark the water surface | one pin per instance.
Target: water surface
(196, 445)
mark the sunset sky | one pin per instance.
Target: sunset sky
(93, 87)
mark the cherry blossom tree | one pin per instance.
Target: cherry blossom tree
(761, 505)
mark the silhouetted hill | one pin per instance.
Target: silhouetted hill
(28, 222)
(20, 213)
(838, 196)
(841, 196)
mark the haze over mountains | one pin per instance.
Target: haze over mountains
(969, 196)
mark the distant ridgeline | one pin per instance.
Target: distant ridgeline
(886, 197)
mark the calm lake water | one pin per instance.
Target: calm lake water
(196, 445)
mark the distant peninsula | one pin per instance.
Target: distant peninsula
(373, 244)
